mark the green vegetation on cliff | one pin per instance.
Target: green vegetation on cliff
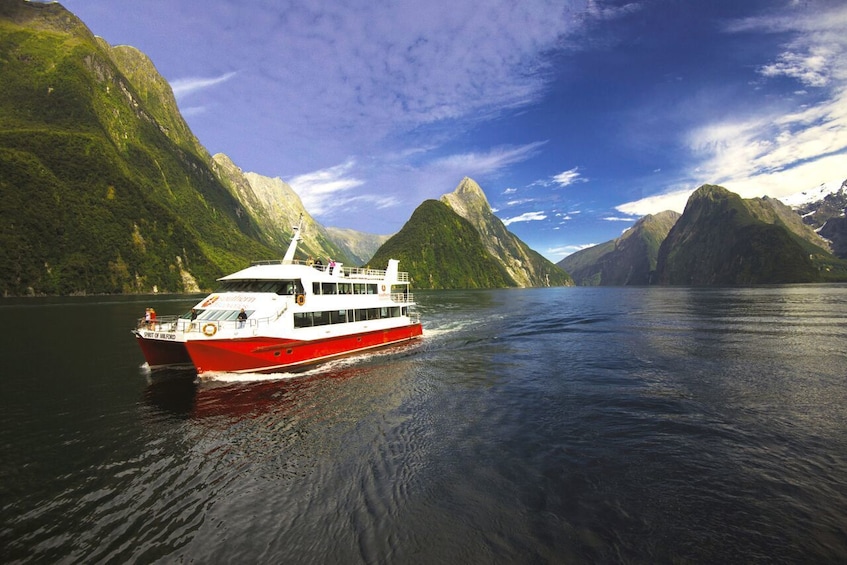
(103, 189)
(628, 260)
(724, 239)
(440, 249)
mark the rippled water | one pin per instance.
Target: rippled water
(548, 425)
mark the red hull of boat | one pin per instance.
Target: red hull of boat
(161, 353)
(258, 354)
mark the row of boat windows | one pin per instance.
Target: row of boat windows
(309, 319)
(293, 286)
(343, 288)
(284, 287)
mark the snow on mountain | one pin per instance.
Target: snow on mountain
(800, 199)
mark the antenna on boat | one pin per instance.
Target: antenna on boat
(292, 247)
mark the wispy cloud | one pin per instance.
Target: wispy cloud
(618, 219)
(526, 217)
(322, 190)
(568, 177)
(565, 250)
(183, 87)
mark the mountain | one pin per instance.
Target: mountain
(103, 187)
(358, 245)
(457, 242)
(627, 260)
(275, 208)
(825, 210)
(724, 239)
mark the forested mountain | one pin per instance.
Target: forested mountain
(724, 239)
(457, 242)
(627, 260)
(103, 187)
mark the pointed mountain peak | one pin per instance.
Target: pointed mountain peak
(468, 200)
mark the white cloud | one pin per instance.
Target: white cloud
(476, 163)
(183, 87)
(569, 177)
(618, 219)
(674, 200)
(321, 191)
(812, 68)
(526, 217)
(565, 250)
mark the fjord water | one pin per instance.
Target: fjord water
(637, 425)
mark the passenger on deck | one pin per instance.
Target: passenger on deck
(242, 317)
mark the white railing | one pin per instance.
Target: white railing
(356, 272)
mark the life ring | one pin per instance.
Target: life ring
(210, 329)
(301, 299)
(383, 288)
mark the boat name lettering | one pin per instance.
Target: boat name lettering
(159, 335)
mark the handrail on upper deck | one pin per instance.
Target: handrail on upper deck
(357, 272)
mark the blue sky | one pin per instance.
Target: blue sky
(576, 117)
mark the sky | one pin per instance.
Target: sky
(576, 117)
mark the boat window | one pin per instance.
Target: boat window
(328, 288)
(316, 288)
(345, 288)
(290, 287)
(302, 319)
(338, 316)
(321, 318)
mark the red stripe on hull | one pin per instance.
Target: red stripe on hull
(261, 354)
(160, 353)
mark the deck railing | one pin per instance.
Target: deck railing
(356, 272)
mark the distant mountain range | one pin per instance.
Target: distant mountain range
(720, 239)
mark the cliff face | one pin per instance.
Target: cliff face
(628, 260)
(724, 239)
(524, 266)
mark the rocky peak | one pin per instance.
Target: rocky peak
(469, 201)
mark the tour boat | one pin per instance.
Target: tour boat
(281, 316)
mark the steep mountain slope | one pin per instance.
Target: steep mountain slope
(358, 245)
(275, 208)
(103, 187)
(627, 260)
(724, 239)
(523, 265)
(448, 244)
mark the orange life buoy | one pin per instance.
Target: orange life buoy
(383, 288)
(301, 299)
(210, 329)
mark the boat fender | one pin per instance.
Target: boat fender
(301, 299)
(209, 330)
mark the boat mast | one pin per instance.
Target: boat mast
(292, 247)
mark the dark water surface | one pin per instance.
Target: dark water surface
(581, 425)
